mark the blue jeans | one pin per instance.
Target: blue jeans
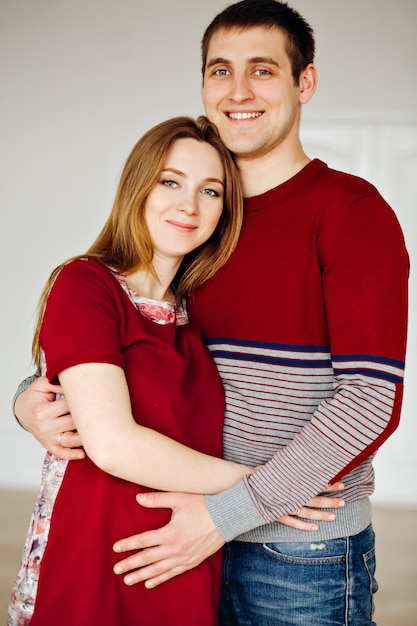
(328, 583)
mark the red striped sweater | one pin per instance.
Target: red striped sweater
(307, 324)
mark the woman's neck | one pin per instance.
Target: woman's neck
(153, 286)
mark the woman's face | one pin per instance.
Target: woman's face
(184, 207)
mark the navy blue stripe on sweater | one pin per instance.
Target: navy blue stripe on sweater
(273, 391)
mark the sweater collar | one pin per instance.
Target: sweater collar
(290, 186)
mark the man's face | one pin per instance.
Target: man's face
(249, 91)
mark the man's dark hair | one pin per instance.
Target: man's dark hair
(300, 45)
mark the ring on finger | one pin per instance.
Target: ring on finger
(58, 439)
(297, 513)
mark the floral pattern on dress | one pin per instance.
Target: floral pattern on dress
(23, 598)
(157, 311)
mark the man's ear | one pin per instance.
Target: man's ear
(308, 83)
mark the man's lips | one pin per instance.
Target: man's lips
(243, 115)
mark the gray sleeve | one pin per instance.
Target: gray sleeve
(21, 388)
(233, 511)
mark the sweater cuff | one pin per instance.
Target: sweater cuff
(21, 388)
(233, 512)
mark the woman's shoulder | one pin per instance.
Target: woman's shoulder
(84, 269)
(85, 278)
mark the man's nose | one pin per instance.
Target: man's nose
(240, 89)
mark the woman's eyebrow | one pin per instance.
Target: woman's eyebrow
(184, 175)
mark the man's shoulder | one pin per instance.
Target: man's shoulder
(340, 183)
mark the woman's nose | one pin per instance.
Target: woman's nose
(188, 205)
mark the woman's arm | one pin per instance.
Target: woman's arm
(46, 419)
(99, 402)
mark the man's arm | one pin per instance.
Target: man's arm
(191, 535)
(38, 412)
(364, 268)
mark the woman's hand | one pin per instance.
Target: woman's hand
(315, 510)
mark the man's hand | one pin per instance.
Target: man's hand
(191, 536)
(188, 539)
(48, 420)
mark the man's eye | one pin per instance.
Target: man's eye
(221, 72)
(262, 72)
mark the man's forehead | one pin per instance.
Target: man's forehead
(247, 42)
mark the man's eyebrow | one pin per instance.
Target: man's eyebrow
(258, 59)
(269, 60)
(216, 61)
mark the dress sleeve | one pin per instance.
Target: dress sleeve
(365, 275)
(81, 318)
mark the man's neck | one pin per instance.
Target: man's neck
(263, 173)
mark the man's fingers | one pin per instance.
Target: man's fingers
(63, 443)
(43, 385)
(154, 575)
(69, 439)
(159, 499)
(49, 424)
(152, 582)
(139, 542)
(144, 560)
(67, 454)
(151, 567)
(60, 410)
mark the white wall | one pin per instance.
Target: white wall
(82, 80)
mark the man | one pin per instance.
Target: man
(307, 324)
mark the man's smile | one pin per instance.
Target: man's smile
(243, 115)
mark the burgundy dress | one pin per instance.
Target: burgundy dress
(66, 575)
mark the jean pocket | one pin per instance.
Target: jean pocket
(370, 566)
(331, 552)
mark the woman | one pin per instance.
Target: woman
(114, 331)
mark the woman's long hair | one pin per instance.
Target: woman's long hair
(125, 243)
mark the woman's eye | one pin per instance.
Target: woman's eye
(211, 192)
(169, 183)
